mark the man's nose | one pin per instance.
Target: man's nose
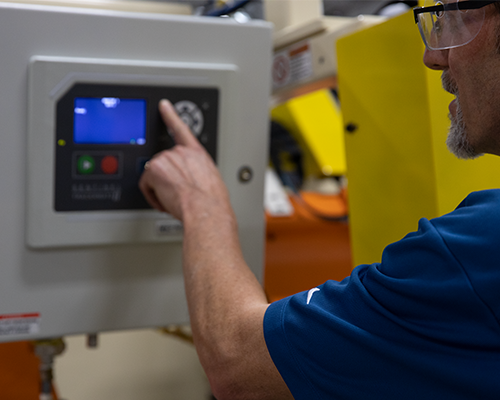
(436, 59)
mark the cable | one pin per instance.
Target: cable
(228, 9)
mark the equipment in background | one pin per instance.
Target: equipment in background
(307, 227)
(286, 157)
(315, 122)
(304, 250)
(305, 58)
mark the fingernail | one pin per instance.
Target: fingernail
(165, 104)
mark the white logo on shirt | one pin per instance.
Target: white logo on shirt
(310, 294)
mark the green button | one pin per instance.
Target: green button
(86, 165)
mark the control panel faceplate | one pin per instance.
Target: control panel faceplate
(93, 124)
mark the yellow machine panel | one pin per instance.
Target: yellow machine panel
(395, 115)
(316, 123)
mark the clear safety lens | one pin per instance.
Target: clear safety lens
(449, 27)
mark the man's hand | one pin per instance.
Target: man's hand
(175, 178)
(226, 302)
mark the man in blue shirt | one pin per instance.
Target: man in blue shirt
(423, 323)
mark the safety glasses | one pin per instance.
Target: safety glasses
(449, 23)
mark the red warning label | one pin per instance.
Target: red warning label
(19, 324)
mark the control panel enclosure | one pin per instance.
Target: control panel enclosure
(80, 250)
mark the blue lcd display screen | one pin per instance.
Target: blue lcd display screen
(109, 120)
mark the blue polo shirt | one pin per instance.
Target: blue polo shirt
(422, 324)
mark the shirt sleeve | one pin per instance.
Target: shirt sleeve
(420, 324)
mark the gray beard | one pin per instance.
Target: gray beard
(458, 141)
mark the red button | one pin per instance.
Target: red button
(109, 165)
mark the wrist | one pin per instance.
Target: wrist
(199, 210)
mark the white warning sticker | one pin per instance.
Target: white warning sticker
(292, 65)
(19, 324)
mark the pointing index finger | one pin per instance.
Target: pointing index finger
(182, 133)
